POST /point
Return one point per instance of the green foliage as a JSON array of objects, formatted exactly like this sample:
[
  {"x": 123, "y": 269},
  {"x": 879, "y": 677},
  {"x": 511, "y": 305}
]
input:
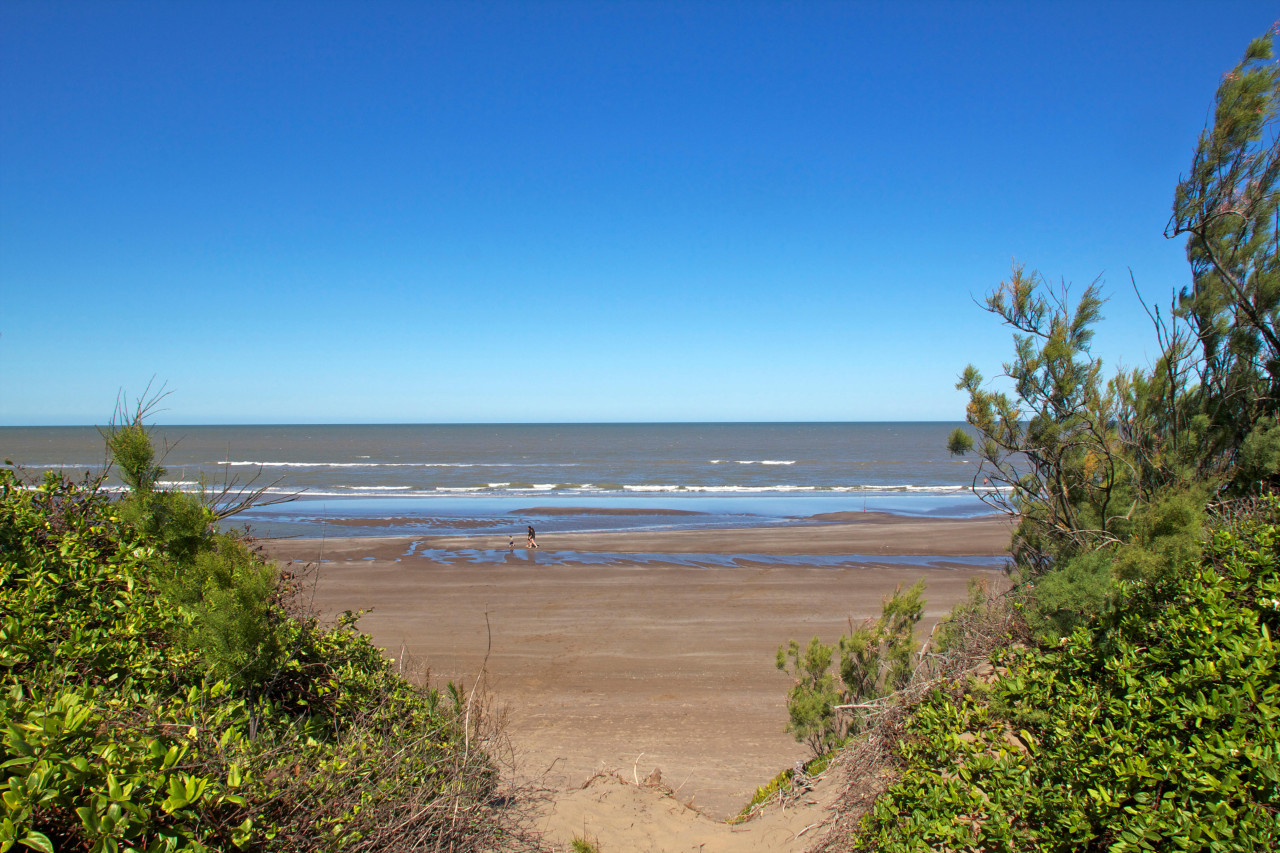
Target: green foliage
[
  {"x": 1227, "y": 208},
  {"x": 874, "y": 658},
  {"x": 230, "y": 598},
  {"x": 1069, "y": 596},
  {"x": 176, "y": 524},
  {"x": 1259, "y": 460},
  {"x": 134, "y": 455},
  {"x": 1153, "y": 721},
  {"x": 896, "y": 629},
  {"x": 1165, "y": 535},
  {"x": 782, "y": 782},
  {"x": 1168, "y": 533},
  {"x": 1158, "y": 728},
  {"x": 860, "y": 654},
  {"x": 812, "y": 699},
  {"x": 1053, "y": 447},
  {"x": 126, "y": 723},
  {"x": 1082, "y": 460},
  {"x": 959, "y": 442},
  {"x": 227, "y": 596}
]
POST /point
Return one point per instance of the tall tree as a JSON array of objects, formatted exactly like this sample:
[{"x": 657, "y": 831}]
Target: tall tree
[
  {"x": 1079, "y": 457},
  {"x": 1226, "y": 206}
]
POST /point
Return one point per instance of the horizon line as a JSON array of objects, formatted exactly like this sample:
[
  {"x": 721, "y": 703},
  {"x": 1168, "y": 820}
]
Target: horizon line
[{"x": 490, "y": 423}]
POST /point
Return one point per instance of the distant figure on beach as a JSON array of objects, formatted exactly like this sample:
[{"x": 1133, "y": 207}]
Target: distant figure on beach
[
  {"x": 533, "y": 543},
  {"x": 511, "y": 542}
]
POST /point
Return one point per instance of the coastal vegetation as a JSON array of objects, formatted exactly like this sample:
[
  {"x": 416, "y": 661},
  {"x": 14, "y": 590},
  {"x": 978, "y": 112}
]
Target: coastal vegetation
[
  {"x": 872, "y": 660},
  {"x": 1156, "y": 727},
  {"x": 162, "y": 689},
  {"x": 1110, "y": 479},
  {"x": 1133, "y": 698}
]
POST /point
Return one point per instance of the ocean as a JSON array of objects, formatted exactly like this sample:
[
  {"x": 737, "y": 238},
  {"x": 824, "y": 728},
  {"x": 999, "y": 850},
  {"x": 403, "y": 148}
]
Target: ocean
[{"x": 443, "y": 479}]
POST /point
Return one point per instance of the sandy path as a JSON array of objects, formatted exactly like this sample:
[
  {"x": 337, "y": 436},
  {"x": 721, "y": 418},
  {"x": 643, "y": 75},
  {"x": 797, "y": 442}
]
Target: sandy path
[{"x": 628, "y": 667}]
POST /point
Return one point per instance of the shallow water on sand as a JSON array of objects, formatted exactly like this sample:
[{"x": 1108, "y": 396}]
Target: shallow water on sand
[{"x": 510, "y": 515}]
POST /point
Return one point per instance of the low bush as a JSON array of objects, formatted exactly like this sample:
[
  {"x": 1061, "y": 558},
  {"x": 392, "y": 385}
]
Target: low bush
[
  {"x": 1155, "y": 728},
  {"x": 155, "y": 704},
  {"x": 876, "y": 657}
]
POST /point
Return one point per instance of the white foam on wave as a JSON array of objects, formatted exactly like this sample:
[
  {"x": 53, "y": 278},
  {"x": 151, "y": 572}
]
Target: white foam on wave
[
  {"x": 766, "y": 461},
  {"x": 791, "y": 487},
  {"x": 492, "y": 464},
  {"x": 375, "y": 488},
  {"x": 499, "y": 489},
  {"x": 269, "y": 464},
  {"x": 257, "y": 464},
  {"x": 719, "y": 489},
  {"x": 72, "y": 465}
]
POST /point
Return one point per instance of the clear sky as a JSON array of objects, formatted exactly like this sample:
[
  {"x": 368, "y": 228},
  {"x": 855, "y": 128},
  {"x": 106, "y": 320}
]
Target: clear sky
[{"x": 576, "y": 211}]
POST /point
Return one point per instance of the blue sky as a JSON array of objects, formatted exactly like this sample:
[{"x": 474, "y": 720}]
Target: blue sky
[{"x": 493, "y": 212}]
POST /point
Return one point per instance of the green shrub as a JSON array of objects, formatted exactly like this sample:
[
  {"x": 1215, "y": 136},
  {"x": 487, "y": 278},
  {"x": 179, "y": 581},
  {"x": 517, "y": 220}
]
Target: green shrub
[
  {"x": 812, "y": 699},
  {"x": 173, "y": 523},
  {"x": 1168, "y": 533},
  {"x": 875, "y": 658},
  {"x": 1163, "y": 535},
  {"x": 1069, "y": 596},
  {"x": 230, "y": 598},
  {"x": 133, "y": 453},
  {"x": 152, "y": 705},
  {"x": 1157, "y": 728}
]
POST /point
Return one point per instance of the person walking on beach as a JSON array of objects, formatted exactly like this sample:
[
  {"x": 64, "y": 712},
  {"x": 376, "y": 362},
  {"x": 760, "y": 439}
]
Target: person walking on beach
[{"x": 533, "y": 543}]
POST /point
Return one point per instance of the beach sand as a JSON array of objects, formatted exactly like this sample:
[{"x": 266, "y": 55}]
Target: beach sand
[{"x": 633, "y": 666}]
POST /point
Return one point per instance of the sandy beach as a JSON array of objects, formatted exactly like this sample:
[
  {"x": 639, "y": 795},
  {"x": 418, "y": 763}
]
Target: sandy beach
[{"x": 631, "y": 667}]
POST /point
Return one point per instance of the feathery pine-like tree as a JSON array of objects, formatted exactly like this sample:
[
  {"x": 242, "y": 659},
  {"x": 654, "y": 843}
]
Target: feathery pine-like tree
[
  {"x": 1079, "y": 456},
  {"x": 1226, "y": 206}
]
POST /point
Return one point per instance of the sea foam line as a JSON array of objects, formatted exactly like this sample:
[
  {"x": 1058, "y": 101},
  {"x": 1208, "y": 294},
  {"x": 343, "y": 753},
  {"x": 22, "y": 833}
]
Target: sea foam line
[
  {"x": 753, "y": 461},
  {"x": 644, "y": 487},
  {"x": 376, "y": 488},
  {"x": 268, "y": 464}
]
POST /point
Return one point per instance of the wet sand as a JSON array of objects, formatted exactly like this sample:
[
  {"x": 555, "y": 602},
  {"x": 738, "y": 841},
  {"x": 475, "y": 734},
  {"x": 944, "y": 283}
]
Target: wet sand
[{"x": 631, "y": 666}]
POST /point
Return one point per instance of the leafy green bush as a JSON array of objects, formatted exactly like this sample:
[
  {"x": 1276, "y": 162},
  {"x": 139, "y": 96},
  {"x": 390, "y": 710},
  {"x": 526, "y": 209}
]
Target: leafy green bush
[
  {"x": 1168, "y": 533},
  {"x": 1070, "y": 595},
  {"x": 1157, "y": 728},
  {"x": 121, "y": 730},
  {"x": 132, "y": 451},
  {"x": 1164, "y": 535}
]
